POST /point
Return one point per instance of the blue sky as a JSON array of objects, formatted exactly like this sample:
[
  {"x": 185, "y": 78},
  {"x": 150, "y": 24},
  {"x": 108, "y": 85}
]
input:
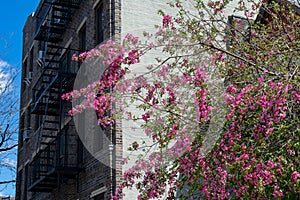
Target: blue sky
[{"x": 13, "y": 14}]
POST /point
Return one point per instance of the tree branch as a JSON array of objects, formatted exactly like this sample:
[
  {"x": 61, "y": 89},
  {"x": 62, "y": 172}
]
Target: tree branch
[
  {"x": 8, "y": 148},
  {"x": 6, "y": 182},
  {"x": 3, "y": 135}
]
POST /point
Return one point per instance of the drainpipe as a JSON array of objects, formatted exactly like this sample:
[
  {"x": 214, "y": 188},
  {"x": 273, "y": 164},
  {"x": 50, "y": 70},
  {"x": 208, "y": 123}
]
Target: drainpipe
[{"x": 112, "y": 146}]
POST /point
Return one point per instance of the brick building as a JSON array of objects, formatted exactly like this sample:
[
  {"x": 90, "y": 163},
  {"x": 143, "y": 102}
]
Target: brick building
[{"x": 53, "y": 163}]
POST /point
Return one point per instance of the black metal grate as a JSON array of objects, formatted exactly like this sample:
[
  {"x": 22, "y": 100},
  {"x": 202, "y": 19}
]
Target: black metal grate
[{"x": 57, "y": 162}]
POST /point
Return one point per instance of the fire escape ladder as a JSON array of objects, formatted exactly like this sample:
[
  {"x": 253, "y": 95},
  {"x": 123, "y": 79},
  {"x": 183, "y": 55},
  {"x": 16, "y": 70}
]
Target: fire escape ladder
[
  {"x": 56, "y": 160},
  {"x": 45, "y": 96},
  {"x": 48, "y": 129},
  {"x": 56, "y": 163},
  {"x": 40, "y": 141},
  {"x": 41, "y": 177}
]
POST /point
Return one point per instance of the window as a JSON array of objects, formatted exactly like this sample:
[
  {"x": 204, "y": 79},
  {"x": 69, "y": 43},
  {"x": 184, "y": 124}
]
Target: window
[
  {"x": 99, "y": 197},
  {"x": 98, "y": 194},
  {"x": 24, "y": 75},
  {"x": 237, "y": 25},
  {"x": 63, "y": 147},
  {"x": 65, "y": 63},
  {"x": 82, "y": 38},
  {"x": 19, "y": 184},
  {"x": 28, "y": 116},
  {"x": 38, "y": 122},
  {"x": 81, "y": 123},
  {"x": 81, "y": 152},
  {"x": 99, "y": 23},
  {"x": 22, "y": 183},
  {"x": 98, "y": 133},
  {"x": 25, "y": 182},
  {"x": 21, "y": 129},
  {"x": 81, "y": 131},
  {"x": 31, "y": 60}
]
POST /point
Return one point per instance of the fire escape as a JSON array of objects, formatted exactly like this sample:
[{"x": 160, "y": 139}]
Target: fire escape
[{"x": 56, "y": 159}]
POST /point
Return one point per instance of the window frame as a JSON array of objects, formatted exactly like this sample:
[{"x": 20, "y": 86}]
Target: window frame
[
  {"x": 82, "y": 38},
  {"x": 31, "y": 58},
  {"x": 65, "y": 63},
  {"x": 99, "y": 22},
  {"x": 24, "y": 74},
  {"x": 100, "y": 196}
]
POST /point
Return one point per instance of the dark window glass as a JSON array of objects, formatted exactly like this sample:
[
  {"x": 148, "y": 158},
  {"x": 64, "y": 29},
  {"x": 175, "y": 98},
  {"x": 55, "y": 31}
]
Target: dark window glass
[
  {"x": 63, "y": 147},
  {"x": 28, "y": 116},
  {"x": 81, "y": 128},
  {"x": 81, "y": 154},
  {"x": 19, "y": 184},
  {"x": 24, "y": 75},
  {"x": 99, "y": 197},
  {"x": 25, "y": 182},
  {"x": 65, "y": 63},
  {"x": 31, "y": 60},
  {"x": 37, "y": 122},
  {"x": 100, "y": 23},
  {"x": 82, "y": 39},
  {"x": 22, "y": 128}
]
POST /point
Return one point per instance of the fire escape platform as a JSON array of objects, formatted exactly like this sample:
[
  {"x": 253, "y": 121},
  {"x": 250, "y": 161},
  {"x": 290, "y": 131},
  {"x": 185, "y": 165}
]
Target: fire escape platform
[
  {"x": 50, "y": 97},
  {"x": 50, "y": 180},
  {"x": 55, "y": 34},
  {"x": 56, "y": 163},
  {"x": 53, "y": 17}
]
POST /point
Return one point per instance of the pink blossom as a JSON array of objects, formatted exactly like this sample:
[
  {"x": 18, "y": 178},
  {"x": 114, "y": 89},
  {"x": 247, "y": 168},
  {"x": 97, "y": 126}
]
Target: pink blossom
[
  {"x": 145, "y": 116},
  {"x": 295, "y": 176},
  {"x": 166, "y": 20}
]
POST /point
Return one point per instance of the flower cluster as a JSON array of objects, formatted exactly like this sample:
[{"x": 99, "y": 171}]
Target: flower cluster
[
  {"x": 254, "y": 153},
  {"x": 167, "y": 20}
]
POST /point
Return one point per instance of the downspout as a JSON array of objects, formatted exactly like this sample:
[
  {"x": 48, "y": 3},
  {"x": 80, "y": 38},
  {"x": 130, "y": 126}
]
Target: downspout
[{"x": 112, "y": 147}]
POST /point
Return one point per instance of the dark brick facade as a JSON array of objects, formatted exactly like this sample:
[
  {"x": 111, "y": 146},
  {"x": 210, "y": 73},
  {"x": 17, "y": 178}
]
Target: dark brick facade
[{"x": 92, "y": 180}]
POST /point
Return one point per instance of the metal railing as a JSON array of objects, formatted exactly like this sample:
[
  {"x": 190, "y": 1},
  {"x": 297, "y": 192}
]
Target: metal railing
[{"x": 59, "y": 158}]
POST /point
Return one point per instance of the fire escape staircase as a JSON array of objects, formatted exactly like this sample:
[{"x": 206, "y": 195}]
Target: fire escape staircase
[{"x": 46, "y": 169}]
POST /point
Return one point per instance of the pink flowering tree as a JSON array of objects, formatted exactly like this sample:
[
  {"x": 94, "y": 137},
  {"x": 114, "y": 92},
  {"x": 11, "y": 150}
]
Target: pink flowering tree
[{"x": 221, "y": 104}]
